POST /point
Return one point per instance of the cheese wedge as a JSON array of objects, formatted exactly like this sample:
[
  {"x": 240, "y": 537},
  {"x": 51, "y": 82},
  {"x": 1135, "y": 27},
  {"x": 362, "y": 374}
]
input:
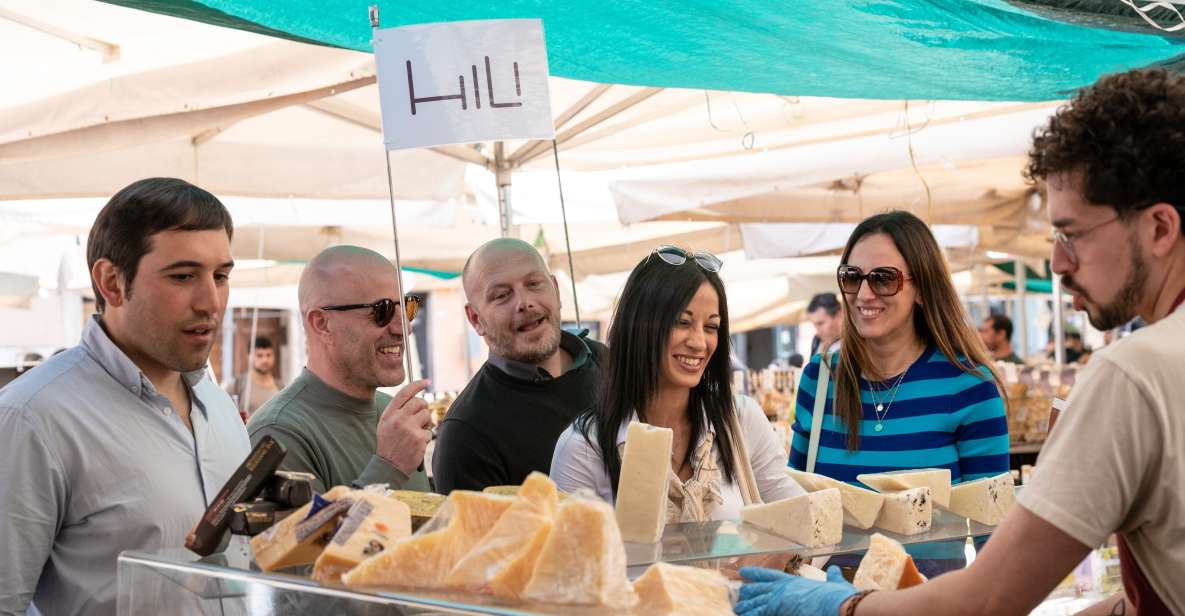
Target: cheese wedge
[
  {"x": 424, "y": 559},
  {"x": 814, "y": 519},
  {"x": 283, "y": 546},
  {"x": 423, "y": 505},
  {"x": 371, "y": 525},
  {"x": 812, "y": 573},
  {"x": 671, "y": 590},
  {"x": 984, "y": 500},
  {"x": 642, "y": 490},
  {"x": 583, "y": 560},
  {"x": 886, "y": 566},
  {"x": 501, "y": 564},
  {"x": 860, "y": 506},
  {"x": 513, "y": 491},
  {"x": 908, "y": 512},
  {"x": 937, "y": 479}
]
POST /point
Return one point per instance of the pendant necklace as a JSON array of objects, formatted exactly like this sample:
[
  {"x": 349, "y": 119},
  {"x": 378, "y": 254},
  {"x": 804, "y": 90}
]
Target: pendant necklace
[{"x": 879, "y": 404}]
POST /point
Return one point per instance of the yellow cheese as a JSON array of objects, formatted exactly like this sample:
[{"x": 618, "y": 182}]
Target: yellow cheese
[
  {"x": 860, "y": 506},
  {"x": 423, "y": 505},
  {"x": 937, "y": 479},
  {"x": 423, "y": 560},
  {"x": 813, "y": 519},
  {"x": 372, "y": 524},
  {"x": 513, "y": 491},
  {"x": 282, "y": 546},
  {"x": 502, "y": 562},
  {"x": 671, "y": 590},
  {"x": 583, "y": 560},
  {"x": 642, "y": 490},
  {"x": 886, "y": 566}
]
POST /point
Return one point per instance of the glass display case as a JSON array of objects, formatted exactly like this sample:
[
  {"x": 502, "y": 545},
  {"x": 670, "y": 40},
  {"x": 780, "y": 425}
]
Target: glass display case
[{"x": 229, "y": 583}]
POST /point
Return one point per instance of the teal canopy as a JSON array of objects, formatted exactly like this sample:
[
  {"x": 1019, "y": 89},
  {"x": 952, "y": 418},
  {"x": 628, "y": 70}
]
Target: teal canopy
[{"x": 1023, "y": 50}]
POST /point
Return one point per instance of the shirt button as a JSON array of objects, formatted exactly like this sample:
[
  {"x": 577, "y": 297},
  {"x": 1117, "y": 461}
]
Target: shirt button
[{"x": 166, "y": 410}]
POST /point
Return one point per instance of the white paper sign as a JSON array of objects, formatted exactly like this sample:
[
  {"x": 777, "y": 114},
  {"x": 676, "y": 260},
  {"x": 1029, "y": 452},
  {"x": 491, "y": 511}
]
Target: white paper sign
[{"x": 463, "y": 81}]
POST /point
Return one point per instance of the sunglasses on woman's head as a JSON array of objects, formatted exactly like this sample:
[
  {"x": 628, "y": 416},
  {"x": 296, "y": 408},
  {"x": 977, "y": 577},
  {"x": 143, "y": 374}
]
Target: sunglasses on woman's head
[
  {"x": 673, "y": 255},
  {"x": 884, "y": 281},
  {"x": 384, "y": 309}
]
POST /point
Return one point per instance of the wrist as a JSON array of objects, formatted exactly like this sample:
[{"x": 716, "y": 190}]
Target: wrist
[{"x": 848, "y": 607}]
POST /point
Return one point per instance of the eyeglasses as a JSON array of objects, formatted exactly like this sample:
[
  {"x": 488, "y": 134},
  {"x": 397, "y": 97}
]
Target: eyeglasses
[
  {"x": 1066, "y": 240},
  {"x": 384, "y": 309},
  {"x": 883, "y": 281},
  {"x": 673, "y": 255}
]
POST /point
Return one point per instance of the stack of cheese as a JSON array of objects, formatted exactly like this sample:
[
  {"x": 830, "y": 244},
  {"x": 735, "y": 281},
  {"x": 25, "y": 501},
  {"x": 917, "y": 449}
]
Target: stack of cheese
[
  {"x": 861, "y": 507},
  {"x": 527, "y": 547},
  {"x": 910, "y": 497}
]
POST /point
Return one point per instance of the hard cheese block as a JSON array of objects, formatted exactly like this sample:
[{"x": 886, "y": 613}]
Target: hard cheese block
[
  {"x": 666, "y": 589},
  {"x": 423, "y": 560},
  {"x": 814, "y": 519},
  {"x": 371, "y": 525},
  {"x": 513, "y": 491},
  {"x": 501, "y": 564},
  {"x": 642, "y": 490},
  {"x": 583, "y": 560},
  {"x": 860, "y": 506},
  {"x": 937, "y": 479},
  {"x": 984, "y": 500},
  {"x": 886, "y": 566},
  {"x": 908, "y": 512},
  {"x": 283, "y": 546}
]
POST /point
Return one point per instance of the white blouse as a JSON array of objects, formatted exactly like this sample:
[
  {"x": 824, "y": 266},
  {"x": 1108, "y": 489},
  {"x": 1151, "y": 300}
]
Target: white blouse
[{"x": 577, "y": 464}]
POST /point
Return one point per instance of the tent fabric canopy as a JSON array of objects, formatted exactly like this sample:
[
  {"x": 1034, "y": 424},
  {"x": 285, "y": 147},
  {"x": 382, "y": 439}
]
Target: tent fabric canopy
[{"x": 959, "y": 49}]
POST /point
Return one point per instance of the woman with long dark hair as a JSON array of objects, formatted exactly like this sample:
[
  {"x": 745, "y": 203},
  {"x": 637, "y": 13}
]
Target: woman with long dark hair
[
  {"x": 912, "y": 385},
  {"x": 669, "y": 366}
]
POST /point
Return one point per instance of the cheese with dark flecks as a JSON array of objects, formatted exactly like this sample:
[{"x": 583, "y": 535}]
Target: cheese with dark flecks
[
  {"x": 908, "y": 512},
  {"x": 984, "y": 500}
]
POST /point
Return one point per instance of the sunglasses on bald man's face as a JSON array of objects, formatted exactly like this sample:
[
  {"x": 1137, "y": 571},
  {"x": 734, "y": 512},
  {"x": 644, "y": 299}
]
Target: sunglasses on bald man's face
[
  {"x": 673, "y": 255},
  {"x": 384, "y": 309}
]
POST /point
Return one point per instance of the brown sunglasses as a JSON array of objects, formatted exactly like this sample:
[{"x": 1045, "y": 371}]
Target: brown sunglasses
[
  {"x": 883, "y": 281},
  {"x": 383, "y": 310}
]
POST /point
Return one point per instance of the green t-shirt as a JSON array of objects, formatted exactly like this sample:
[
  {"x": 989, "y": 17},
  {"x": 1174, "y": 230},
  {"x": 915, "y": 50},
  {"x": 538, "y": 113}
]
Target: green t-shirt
[{"x": 330, "y": 435}]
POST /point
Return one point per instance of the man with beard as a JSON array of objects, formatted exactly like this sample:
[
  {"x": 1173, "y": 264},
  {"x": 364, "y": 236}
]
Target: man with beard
[
  {"x": 1111, "y": 162},
  {"x": 120, "y": 442},
  {"x": 263, "y": 384},
  {"x": 331, "y": 419},
  {"x": 537, "y": 379}
]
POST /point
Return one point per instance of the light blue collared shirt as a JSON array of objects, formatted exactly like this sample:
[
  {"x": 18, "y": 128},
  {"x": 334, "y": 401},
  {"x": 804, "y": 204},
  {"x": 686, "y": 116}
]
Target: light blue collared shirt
[{"x": 95, "y": 461}]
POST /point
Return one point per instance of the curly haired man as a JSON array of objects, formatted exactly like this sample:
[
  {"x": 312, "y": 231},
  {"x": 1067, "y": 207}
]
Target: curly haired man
[{"x": 1110, "y": 163}]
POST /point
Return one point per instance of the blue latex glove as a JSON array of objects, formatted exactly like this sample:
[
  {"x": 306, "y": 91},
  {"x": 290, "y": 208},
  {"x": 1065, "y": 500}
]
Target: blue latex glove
[{"x": 773, "y": 593}]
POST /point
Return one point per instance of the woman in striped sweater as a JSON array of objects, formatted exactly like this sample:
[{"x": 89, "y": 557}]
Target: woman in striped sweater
[{"x": 912, "y": 385}]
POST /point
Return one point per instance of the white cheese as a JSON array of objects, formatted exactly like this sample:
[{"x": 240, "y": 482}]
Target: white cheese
[
  {"x": 908, "y": 512},
  {"x": 812, "y": 520},
  {"x": 984, "y": 500},
  {"x": 642, "y": 491},
  {"x": 860, "y": 506},
  {"x": 937, "y": 479}
]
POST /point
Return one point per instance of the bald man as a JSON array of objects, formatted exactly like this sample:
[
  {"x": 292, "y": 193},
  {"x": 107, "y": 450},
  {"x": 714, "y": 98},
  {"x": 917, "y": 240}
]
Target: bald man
[
  {"x": 537, "y": 379},
  {"x": 331, "y": 419}
]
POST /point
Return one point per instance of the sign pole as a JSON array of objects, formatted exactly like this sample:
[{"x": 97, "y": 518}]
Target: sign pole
[
  {"x": 407, "y": 333},
  {"x": 555, "y": 151}
]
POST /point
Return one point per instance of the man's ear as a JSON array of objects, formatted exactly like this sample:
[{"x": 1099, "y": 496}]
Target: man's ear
[
  {"x": 110, "y": 281},
  {"x": 471, "y": 316},
  {"x": 1166, "y": 228},
  {"x": 316, "y": 322}
]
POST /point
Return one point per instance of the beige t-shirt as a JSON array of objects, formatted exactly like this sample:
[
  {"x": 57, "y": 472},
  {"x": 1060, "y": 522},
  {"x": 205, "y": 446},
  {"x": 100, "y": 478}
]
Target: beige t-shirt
[{"x": 1115, "y": 462}]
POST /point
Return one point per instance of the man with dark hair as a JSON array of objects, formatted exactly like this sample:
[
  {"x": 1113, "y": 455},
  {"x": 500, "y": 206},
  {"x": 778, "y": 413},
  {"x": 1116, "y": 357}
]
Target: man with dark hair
[
  {"x": 1111, "y": 163},
  {"x": 826, "y": 314},
  {"x": 332, "y": 419},
  {"x": 120, "y": 442},
  {"x": 996, "y": 333},
  {"x": 257, "y": 383},
  {"x": 505, "y": 424}
]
